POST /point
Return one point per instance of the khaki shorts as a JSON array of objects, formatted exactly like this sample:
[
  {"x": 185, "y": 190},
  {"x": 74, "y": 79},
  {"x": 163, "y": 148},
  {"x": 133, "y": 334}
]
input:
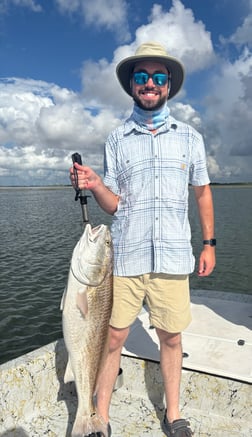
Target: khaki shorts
[{"x": 167, "y": 298}]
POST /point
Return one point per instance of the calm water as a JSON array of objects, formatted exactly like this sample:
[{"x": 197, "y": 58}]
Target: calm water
[{"x": 39, "y": 229}]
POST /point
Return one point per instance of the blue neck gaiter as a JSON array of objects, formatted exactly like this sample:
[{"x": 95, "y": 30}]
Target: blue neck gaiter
[{"x": 150, "y": 120}]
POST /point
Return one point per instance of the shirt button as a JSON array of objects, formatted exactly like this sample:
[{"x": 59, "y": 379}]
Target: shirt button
[
  {"x": 156, "y": 177},
  {"x": 156, "y": 197},
  {"x": 156, "y": 218}
]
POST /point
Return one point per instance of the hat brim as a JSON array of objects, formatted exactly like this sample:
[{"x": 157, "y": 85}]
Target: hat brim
[{"x": 125, "y": 67}]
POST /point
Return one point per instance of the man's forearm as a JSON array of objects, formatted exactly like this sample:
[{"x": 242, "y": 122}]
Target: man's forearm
[
  {"x": 106, "y": 199},
  {"x": 204, "y": 201}
]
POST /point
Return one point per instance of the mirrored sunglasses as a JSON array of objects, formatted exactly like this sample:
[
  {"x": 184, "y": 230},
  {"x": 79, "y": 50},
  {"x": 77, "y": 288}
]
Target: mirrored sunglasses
[{"x": 142, "y": 77}]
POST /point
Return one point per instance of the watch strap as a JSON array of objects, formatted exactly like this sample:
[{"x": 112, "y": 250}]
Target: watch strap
[{"x": 211, "y": 242}]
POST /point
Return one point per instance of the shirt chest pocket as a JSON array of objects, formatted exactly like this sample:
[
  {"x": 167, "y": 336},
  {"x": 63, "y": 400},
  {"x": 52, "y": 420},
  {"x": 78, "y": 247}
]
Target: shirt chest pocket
[
  {"x": 174, "y": 180},
  {"x": 137, "y": 175}
]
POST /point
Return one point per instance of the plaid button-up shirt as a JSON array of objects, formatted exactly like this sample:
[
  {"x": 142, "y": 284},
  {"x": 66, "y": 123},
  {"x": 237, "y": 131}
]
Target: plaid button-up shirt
[{"x": 151, "y": 174}]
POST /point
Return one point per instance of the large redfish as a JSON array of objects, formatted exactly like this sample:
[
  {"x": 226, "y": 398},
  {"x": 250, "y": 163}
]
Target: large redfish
[{"x": 86, "y": 305}]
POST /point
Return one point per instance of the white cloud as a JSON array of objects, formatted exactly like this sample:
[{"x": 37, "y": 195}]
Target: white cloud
[
  {"x": 41, "y": 124},
  {"x": 228, "y": 117},
  {"x": 30, "y": 4},
  {"x": 243, "y": 34},
  {"x": 187, "y": 114},
  {"x": 100, "y": 86},
  {"x": 181, "y": 34},
  {"x": 109, "y": 14},
  {"x": 176, "y": 29}
]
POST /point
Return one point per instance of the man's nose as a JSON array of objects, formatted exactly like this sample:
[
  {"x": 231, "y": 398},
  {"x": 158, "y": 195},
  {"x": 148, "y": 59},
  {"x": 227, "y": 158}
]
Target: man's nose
[{"x": 150, "y": 82}]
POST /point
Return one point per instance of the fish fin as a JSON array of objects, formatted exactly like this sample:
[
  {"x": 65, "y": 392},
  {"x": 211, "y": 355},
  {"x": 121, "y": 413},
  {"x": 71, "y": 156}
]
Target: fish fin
[
  {"x": 69, "y": 376},
  {"x": 82, "y": 302},
  {"x": 62, "y": 302},
  {"x": 86, "y": 425}
]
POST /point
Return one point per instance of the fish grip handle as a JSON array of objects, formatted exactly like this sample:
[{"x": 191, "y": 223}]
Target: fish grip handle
[
  {"x": 80, "y": 194},
  {"x": 76, "y": 157}
]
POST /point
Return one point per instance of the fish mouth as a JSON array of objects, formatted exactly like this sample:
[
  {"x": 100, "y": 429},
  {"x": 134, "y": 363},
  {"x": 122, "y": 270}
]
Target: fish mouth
[{"x": 95, "y": 232}]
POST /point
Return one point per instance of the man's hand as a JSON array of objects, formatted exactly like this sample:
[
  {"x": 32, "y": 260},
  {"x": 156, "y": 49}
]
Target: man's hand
[
  {"x": 206, "y": 261},
  {"x": 87, "y": 178}
]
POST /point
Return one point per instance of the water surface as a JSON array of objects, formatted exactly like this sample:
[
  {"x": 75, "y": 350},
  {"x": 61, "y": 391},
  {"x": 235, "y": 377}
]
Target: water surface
[{"x": 39, "y": 229}]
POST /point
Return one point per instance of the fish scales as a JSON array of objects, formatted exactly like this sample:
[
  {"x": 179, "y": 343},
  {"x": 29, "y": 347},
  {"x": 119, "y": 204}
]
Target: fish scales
[{"x": 86, "y": 305}]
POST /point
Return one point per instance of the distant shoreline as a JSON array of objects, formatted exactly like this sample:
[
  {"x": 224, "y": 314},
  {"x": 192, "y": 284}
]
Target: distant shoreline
[
  {"x": 35, "y": 187},
  {"x": 61, "y": 187}
]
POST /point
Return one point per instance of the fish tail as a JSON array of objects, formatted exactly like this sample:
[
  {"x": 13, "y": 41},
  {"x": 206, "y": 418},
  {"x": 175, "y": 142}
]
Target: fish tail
[{"x": 86, "y": 425}]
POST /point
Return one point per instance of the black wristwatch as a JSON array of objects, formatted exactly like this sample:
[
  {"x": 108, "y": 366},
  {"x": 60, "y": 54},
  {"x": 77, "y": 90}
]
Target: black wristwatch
[{"x": 211, "y": 242}]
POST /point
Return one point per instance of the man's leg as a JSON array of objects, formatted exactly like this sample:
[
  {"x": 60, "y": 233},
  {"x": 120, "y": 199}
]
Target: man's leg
[
  {"x": 171, "y": 364},
  {"x": 109, "y": 372}
]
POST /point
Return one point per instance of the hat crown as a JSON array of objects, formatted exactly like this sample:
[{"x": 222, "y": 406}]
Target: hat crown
[{"x": 151, "y": 49}]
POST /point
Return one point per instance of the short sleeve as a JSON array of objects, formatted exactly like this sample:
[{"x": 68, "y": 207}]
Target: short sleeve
[{"x": 198, "y": 171}]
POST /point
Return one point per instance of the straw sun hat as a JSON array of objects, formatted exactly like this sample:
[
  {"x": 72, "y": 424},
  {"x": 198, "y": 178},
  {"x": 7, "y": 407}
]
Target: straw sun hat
[{"x": 151, "y": 51}]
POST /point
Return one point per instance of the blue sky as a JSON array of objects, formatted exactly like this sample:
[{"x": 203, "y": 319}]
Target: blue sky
[{"x": 59, "y": 93}]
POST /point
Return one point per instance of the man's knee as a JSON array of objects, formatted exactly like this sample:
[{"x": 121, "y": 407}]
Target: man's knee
[
  {"x": 117, "y": 338},
  {"x": 169, "y": 339}
]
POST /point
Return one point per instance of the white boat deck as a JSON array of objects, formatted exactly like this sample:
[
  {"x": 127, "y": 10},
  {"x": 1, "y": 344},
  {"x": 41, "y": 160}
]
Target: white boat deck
[
  {"x": 34, "y": 401},
  {"x": 218, "y": 340}
]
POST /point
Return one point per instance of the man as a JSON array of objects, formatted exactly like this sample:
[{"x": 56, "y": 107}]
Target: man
[{"x": 149, "y": 162}]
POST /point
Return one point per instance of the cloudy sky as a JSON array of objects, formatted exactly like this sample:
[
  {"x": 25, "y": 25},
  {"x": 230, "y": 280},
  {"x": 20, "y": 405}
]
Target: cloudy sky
[{"x": 59, "y": 93}]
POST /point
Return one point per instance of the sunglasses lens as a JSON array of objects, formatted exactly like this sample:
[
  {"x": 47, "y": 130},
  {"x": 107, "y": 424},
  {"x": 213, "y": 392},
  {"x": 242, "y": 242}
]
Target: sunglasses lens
[
  {"x": 141, "y": 78},
  {"x": 160, "y": 79}
]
